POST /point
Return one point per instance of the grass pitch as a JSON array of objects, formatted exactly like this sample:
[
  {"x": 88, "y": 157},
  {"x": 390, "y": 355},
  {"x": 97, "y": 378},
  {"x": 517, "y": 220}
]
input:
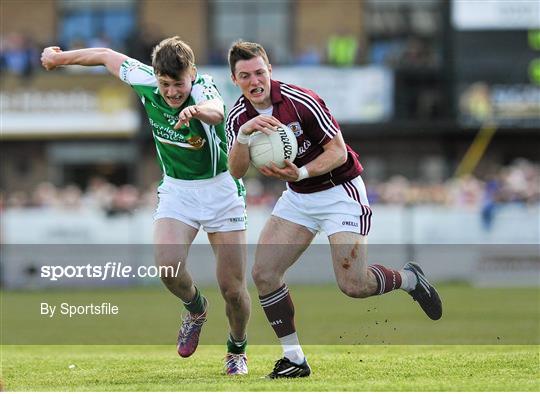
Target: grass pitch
[
  {"x": 487, "y": 340},
  {"x": 335, "y": 368}
]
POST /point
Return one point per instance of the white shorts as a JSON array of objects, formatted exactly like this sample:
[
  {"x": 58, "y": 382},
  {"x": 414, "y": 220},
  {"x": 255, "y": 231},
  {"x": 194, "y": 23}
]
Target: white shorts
[
  {"x": 217, "y": 204},
  {"x": 341, "y": 208}
]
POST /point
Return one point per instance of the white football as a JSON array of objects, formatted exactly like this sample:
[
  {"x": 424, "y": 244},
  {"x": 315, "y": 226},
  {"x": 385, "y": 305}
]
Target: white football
[{"x": 276, "y": 147}]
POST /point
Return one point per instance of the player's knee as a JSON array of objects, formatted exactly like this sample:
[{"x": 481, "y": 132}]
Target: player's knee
[
  {"x": 170, "y": 268},
  {"x": 168, "y": 260},
  {"x": 261, "y": 276},
  {"x": 232, "y": 295},
  {"x": 355, "y": 289},
  {"x": 170, "y": 255}
]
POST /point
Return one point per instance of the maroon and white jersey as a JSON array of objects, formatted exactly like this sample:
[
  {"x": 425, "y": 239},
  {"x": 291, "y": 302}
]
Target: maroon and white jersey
[{"x": 313, "y": 125}]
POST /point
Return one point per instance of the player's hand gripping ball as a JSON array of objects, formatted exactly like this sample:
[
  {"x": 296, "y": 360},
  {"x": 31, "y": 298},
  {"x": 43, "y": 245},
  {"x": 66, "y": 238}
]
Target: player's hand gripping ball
[{"x": 276, "y": 147}]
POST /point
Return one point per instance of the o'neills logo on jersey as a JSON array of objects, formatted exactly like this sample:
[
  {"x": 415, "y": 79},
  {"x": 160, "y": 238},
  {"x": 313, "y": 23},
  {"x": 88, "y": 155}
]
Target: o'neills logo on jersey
[
  {"x": 287, "y": 144},
  {"x": 348, "y": 223},
  {"x": 296, "y": 129}
]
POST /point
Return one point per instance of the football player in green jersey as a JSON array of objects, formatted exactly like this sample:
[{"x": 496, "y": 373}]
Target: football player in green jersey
[{"x": 187, "y": 115}]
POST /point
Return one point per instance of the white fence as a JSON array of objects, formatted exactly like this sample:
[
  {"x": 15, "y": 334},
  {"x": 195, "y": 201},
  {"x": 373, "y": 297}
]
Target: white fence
[{"x": 450, "y": 243}]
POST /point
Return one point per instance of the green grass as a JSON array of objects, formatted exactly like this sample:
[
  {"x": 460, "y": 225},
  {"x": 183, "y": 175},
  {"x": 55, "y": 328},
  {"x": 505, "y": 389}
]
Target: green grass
[
  {"x": 336, "y": 368},
  {"x": 324, "y": 316},
  {"x": 487, "y": 340}
]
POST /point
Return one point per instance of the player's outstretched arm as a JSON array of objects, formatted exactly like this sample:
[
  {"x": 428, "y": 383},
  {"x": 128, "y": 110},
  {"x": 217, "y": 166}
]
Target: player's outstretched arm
[{"x": 53, "y": 57}]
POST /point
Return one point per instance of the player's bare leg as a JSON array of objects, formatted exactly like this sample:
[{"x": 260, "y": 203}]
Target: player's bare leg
[
  {"x": 231, "y": 257},
  {"x": 280, "y": 244},
  {"x": 356, "y": 279},
  {"x": 349, "y": 258},
  {"x": 172, "y": 240}
]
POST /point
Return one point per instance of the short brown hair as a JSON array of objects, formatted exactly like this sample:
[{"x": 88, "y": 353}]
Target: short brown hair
[
  {"x": 172, "y": 57},
  {"x": 243, "y": 50}
]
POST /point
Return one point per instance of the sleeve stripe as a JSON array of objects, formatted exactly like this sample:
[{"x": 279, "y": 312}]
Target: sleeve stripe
[
  {"x": 325, "y": 127},
  {"x": 325, "y": 122},
  {"x": 235, "y": 112},
  {"x": 133, "y": 72},
  {"x": 231, "y": 136},
  {"x": 308, "y": 101},
  {"x": 238, "y": 105},
  {"x": 147, "y": 69}
]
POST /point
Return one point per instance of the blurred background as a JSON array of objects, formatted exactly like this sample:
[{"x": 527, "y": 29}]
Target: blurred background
[{"x": 441, "y": 99}]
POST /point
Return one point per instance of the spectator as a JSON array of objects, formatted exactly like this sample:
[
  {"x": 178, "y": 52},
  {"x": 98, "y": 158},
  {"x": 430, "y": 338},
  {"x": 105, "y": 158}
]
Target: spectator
[
  {"x": 309, "y": 56},
  {"x": 125, "y": 200},
  {"x": 70, "y": 197},
  {"x": 342, "y": 50},
  {"x": 45, "y": 195},
  {"x": 18, "y": 199},
  {"x": 99, "y": 193},
  {"x": 141, "y": 42},
  {"x": 18, "y": 55}
]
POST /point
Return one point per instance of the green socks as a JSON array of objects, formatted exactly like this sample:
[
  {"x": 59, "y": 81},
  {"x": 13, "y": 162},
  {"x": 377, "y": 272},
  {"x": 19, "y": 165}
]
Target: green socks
[
  {"x": 197, "y": 304},
  {"x": 236, "y": 347}
]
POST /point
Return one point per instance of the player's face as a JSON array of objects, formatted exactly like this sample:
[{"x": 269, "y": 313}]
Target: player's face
[
  {"x": 175, "y": 91},
  {"x": 253, "y": 78}
]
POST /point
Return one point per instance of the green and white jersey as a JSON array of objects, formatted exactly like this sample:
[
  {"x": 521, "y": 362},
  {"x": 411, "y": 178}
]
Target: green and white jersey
[{"x": 195, "y": 152}]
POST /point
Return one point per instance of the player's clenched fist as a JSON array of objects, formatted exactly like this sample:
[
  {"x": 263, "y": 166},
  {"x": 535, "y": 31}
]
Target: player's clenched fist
[{"x": 49, "y": 60}]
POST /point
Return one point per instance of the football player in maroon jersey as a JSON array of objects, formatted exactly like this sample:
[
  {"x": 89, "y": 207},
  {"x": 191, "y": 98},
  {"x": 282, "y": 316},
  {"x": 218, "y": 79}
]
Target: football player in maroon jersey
[{"x": 325, "y": 192}]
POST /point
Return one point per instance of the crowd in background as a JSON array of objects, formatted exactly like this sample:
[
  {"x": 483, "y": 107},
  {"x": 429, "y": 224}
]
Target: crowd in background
[
  {"x": 516, "y": 183},
  {"x": 20, "y": 53}
]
